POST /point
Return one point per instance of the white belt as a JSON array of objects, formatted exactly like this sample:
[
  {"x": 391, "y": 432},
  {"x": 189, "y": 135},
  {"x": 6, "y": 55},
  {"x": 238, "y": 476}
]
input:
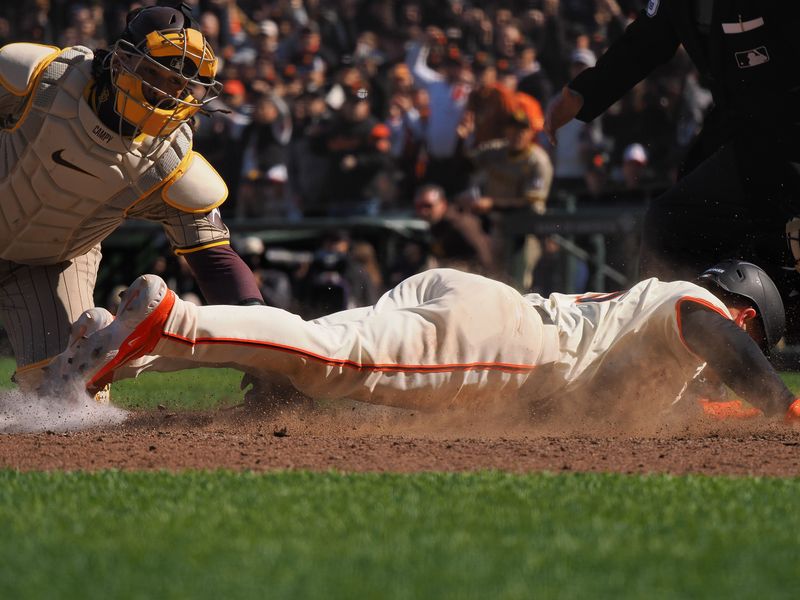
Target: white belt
[{"x": 742, "y": 26}]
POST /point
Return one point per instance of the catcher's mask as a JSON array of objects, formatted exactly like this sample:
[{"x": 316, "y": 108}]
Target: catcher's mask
[
  {"x": 162, "y": 70},
  {"x": 745, "y": 279}
]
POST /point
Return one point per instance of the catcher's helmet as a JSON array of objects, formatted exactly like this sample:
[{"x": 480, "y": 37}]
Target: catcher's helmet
[
  {"x": 162, "y": 69},
  {"x": 745, "y": 279}
]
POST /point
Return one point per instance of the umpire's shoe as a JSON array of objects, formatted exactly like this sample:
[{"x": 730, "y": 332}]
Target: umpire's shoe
[{"x": 142, "y": 312}]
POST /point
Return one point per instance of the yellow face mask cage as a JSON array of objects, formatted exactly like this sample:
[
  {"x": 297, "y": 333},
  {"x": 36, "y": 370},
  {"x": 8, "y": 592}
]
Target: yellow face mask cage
[{"x": 192, "y": 59}]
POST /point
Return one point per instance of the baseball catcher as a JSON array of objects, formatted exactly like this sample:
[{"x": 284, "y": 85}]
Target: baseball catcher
[
  {"x": 89, "y": 139},
  {"x": 445, "y": 338}
]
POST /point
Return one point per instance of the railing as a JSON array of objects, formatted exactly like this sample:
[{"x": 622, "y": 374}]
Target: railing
[{"x": 595, "y": 222}]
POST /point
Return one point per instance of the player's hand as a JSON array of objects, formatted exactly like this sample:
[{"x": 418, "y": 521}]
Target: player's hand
[
  {"x": 793, "y": 414},
  {"x": 732, "y": 409},
  {"x": 561, "y": 110}
]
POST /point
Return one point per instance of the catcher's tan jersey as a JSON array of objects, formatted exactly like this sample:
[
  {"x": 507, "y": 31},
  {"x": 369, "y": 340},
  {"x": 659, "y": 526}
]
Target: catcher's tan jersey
[
  {"x": 66, "y": 182},
  {"x": 447, "y": 338},
  {"x": 66, "y": 179}
]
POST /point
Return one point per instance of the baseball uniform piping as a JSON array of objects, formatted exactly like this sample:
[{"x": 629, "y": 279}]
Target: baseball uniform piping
[
  {"x": 505, "y": 367},
  {"x": 182, "y": 251}
]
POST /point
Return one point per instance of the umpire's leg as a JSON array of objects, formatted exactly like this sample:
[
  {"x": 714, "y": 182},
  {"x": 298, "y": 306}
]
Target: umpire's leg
[{"x": 703, "y": 218}]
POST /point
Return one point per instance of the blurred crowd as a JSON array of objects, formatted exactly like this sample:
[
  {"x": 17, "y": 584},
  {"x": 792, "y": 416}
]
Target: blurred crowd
[{"x": 426, "y": 108}]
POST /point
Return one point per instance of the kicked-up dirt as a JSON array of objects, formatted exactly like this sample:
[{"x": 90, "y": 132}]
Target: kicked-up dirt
[{"x": 354, "y": 437}]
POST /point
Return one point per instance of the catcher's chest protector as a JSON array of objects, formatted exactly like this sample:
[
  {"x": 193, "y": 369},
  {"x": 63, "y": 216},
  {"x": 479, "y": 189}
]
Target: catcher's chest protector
[{"x": 66, "y": 179}]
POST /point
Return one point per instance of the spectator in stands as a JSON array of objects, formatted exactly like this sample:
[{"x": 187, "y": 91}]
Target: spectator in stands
[
  {"x": 405, "y": 126},
  {"x": 457, "y": 237},
  {"x": 299, "y": 52},
  {"x": 515, "y": 172},
  {"x": 304, "y": 50},
  {"x": 645, "y": 108},
  {"x": 596, "y": 179},
  {"x": 634, "y": 166},
  {"x": 264, "y": 155},
  {"x": 514, "y": 175},
  {"x": 508, "y": 41},
  {"x": 266, "y": 43},
  {"x": 532, "y": 78},
  {"x": 488, "y": 106},
  {"x": 576, "y": 140},
  {"x": 87, "y": 28},
  {"x": 477, "y": 31},
  {"x": 334, "y": 281},
  {"x": 448, "y": 88},
  {"x": 414, "y": 258},
  {"x": 217, "y": 136},
  {"x": 274, "y": 284},
  {"x": 339, "y": 29},
  {"x": 210, "y": 28},
  {"x": 365, "y": 259},
  {"x": 356, "y": 147}
]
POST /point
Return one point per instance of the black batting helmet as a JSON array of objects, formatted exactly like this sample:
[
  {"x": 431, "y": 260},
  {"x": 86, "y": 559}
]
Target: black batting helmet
[{"x": 745, "y": 279}]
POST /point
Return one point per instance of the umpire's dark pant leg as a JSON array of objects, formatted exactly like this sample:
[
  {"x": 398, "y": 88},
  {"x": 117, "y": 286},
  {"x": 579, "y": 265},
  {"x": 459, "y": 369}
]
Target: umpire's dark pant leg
[{"x": 701, "y": 219}]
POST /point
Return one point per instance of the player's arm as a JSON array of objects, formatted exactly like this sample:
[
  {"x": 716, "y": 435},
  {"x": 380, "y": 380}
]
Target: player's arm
[
  {"x": 223, "y": 276},
  {"x": 733, "y": 355},
  {"x": 647, "y": 43},
  {"x": 187, "y": 206}
]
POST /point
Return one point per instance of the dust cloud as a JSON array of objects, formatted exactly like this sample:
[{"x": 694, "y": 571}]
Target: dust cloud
[{"x": 30, "y": 413}]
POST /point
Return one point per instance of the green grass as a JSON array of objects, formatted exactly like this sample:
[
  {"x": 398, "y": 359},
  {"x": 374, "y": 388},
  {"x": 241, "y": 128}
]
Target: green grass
[
  {"x": 193, "y": 389},
  {"x": 328, "y": 535},
  {"x": 482, "y": 535},
  {"x": 792, "y": 379}
]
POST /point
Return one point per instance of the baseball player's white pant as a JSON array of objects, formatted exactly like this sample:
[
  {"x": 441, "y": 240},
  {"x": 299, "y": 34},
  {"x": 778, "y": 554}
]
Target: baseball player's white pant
[{"x": 440, "y": 339}]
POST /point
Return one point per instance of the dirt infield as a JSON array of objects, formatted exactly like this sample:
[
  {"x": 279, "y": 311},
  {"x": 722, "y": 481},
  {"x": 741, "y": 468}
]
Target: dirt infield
[{"x": 366, "y": 439}]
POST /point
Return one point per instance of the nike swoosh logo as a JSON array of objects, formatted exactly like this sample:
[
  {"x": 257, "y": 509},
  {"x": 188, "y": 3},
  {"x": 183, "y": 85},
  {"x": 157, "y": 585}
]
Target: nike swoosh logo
[
  {"x": 134, "y": 340},
  {"x": 60, "y": 160}
]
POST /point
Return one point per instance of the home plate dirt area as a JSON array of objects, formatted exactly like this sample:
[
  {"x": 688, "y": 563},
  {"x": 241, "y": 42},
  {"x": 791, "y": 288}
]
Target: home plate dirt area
[{"x": 364, "y": 438}]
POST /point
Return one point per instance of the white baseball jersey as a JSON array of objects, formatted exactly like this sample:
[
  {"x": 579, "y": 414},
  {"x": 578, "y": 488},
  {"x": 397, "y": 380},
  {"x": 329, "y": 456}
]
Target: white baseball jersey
[
  {"x": 624, "y": 343},
  {"x": 447, "y": 338},
  {"x": 67, "y": 180}
]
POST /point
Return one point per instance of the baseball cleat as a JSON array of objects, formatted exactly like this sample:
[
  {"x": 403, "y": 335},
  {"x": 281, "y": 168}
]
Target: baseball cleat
[
  {"x": 142, "y": 312},
  {"x": 90, "y": 322}
]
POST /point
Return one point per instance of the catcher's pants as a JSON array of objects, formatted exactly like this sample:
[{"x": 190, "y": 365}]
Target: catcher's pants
[
  {"x": 38, "y": 304},
  {"x": 441, "y": 338}
]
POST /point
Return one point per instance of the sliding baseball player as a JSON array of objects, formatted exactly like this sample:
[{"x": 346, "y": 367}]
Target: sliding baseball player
[{"x": 447, "y": 339}]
